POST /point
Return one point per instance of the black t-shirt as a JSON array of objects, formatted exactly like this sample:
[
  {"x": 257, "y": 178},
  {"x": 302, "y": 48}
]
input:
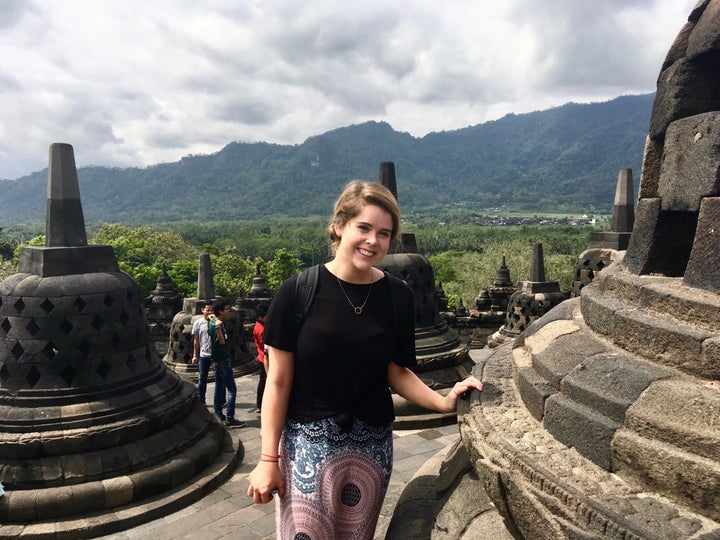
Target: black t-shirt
[{"x": 341, "y": 358}]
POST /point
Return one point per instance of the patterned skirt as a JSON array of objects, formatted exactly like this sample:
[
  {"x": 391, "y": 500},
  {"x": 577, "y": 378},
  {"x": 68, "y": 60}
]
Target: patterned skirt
[{"x": 335, "y": 480}]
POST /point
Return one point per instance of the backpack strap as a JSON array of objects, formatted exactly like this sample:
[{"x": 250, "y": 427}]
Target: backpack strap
[{"x": 305, "y": 286}]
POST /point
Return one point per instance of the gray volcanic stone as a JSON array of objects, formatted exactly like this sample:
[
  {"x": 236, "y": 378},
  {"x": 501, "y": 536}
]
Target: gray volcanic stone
[
  {"x": 705, "y": 37},
  {"x": 691, "y": 162},
  {"x": 610, "y": 383},
  {"x": 650, "y": 173},
  {"x": 684, "y": 89},
  {"x": 566, "y": 353},
  {"x": 656, "y": 234},
  {"x": 667, "y": 342},
  {"x": 588, "y": 431},
  {"x": 534, "y": 391},
  {"x": 703, "y": 269}
]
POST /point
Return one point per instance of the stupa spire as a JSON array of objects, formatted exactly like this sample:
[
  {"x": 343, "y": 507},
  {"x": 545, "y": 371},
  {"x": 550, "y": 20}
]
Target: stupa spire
[{"x": 65, "y": 224}]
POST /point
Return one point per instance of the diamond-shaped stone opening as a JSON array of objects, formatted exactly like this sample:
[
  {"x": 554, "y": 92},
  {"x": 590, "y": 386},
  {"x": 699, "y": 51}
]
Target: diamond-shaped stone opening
[
  {"x": 47, "y": 306},
  {"x": 4, "y": 374},
  {"x": 97, "y": 323},
  {"x": 124, "y": 317},
  {"x": 32, "y": 377},
  {"x": 32, "y": 327},
  {"x": 49, "y": 350},
  {"x": 84, "y": 346},
  {"x": 116, "y": 342},
  {"x": 17, "y": 351},
  {"x": 66, "y": 327},
  {"x": 129, "y": 295},
  {"x": 5, "y": 325},
  {"x": 19, "y": 305},
  {"x": 131, "y": 362},
  {"x": 108, "y": 300},
  {"x": 103, "y": 369},
  {"x": 80, "y": 304},
  {"x": 68, "y": 374}
]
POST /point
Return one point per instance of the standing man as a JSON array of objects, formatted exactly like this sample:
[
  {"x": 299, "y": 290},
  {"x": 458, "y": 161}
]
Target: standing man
[
  {"x": 202, "y": 350},
  {"x": 258, "y": 331},
  {"x": 224, "y": 378}
]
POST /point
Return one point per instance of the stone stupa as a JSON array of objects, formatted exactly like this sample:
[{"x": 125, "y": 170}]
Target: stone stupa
[
  {"x": 180, "y": 349},
  {"x": 602, "y": 420},
  {"x": 96, "y": 435},
  {"x": 442, "y": 358}
]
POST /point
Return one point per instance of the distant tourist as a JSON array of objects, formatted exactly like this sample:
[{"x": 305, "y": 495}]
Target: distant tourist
[
  {"x": 224, "y": 378},
  {"x": 258, "y": 331},
  {"x": 202, "y": 350},
  {"x": 327, "y": 417}
]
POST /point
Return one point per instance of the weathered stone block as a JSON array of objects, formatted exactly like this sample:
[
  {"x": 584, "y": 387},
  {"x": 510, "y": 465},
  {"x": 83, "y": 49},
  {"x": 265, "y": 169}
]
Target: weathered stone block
[
  {"x": 656, "y": 234},
  {"x": 610, "y": 383},
  {"x": 703, "y": 269},
  {"x": 705, "y": 37},
  {"x": 689, "y": 305},
  {"x": 681, "y": 413},
  {"x": 54, "y": 502},
  {"x": 585, "y": 429},
  {"x": 691, "y": 162},
  {"x": 534, "y": 390},
  {"x": 686, "y": 88},
  {"x": 565, "y": 354},
  {"x": 665, "y": 469},
  {"x": 650, "y": 172},
  {"x": 118, "y": 491},
  {"x": 599, "y": 311},
  {"x": 710, "y": 359},
  {"x": 667, "y": 342}
]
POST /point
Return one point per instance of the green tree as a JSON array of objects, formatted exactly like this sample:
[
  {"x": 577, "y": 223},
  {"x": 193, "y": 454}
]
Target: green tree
[
  {"x": 283, "y": 265},
  {"x": 443, "y": 265}
]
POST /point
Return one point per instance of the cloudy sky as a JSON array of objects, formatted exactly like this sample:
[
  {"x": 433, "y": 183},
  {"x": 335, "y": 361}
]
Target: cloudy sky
[{"x": 137, "y": 82}]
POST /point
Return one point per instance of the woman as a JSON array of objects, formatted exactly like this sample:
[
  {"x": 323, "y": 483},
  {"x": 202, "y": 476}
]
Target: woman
[{"x": 327, "y": 410}]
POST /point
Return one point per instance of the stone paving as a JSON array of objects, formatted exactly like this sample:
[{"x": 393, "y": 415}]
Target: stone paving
[{"x": 228, "y": 513}]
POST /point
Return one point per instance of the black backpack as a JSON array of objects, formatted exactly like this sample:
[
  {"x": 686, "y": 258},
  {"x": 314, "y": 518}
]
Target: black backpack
[{"x": 306, "y": 284}]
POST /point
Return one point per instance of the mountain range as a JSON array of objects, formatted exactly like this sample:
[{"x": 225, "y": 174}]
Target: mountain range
[{"x": 563, "y": 159}]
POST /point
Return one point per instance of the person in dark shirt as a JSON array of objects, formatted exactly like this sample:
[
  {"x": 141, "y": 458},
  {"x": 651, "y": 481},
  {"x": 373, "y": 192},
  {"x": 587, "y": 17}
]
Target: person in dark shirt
[
  {"x": 327, "y": 417},
  {"x": 224, "y": 378}
]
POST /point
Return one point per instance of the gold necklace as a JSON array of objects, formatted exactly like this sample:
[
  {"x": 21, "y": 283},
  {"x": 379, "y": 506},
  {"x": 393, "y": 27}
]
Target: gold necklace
[{"x": 358, "y": 309}]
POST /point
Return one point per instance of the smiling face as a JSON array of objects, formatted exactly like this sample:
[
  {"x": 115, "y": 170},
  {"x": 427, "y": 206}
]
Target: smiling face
[
  {"x": 207, "y": 311},
  {"x": 364, "y": 240}
]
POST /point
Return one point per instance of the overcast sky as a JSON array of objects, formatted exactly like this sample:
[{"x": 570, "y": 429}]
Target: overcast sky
[{"x": 139, "y": 82}]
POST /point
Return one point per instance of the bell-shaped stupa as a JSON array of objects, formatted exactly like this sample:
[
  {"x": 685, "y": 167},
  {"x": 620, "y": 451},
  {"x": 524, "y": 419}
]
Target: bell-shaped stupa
[
  {"x": 601, "y": 420},
  {"x": 442, "y": 358},
  {"x": 92, "y": 424}
]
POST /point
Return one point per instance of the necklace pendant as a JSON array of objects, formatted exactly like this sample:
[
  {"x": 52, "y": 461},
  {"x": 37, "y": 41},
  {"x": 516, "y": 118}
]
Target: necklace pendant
[{"x": 358, "y": 310}]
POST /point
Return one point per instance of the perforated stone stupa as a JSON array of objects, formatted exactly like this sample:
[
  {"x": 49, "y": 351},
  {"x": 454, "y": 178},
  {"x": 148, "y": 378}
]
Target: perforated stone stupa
[
  {"x": 602, "y": 420},
  {"x": 442, "y": 358},
  {"x": 92, "y": 424}
]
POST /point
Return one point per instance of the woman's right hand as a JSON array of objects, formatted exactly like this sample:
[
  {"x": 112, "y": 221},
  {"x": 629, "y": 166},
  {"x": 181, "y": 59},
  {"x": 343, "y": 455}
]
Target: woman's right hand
[{"x": 264, "y": 479}]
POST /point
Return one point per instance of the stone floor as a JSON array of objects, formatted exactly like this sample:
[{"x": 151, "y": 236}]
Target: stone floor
[{"x": 228, "y": 513}]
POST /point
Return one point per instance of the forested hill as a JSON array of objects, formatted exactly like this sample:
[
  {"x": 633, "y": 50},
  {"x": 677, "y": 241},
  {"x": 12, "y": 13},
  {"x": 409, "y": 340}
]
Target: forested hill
[{"x": 565, "y": 158}]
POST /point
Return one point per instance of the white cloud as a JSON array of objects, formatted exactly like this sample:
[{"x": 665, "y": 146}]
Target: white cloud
[{"x": 134, "y": 83}]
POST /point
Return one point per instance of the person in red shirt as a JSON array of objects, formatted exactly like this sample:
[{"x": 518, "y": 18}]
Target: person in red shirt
[{"x": 258, "y": 332}]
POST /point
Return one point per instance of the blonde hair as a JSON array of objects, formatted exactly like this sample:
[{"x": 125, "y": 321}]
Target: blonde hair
[{"x": 354, "y": 198}]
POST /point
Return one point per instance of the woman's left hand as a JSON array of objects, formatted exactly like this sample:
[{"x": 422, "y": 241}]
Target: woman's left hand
[{"x": 459, "y": 389}]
